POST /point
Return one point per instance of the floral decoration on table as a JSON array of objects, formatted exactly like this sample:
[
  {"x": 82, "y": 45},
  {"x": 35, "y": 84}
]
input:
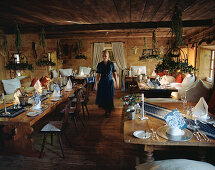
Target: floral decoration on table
[
  {"x": 22, "y": 91},
  {"x": 130, "y": 100}
]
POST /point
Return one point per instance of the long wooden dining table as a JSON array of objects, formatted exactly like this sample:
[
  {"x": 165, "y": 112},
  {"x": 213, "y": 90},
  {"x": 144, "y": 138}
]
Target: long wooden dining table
[
  {"x": 150, "y": 144},
  {"x": 19, "y": 129}
]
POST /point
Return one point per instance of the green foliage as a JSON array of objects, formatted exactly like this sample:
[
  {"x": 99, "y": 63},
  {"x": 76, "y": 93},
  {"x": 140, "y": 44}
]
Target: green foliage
[
  {"x": 145, "y": 43},
  {"x": 42, "y": 62},
  {"x": 130, "y": 99},
  {"x": 176, "y": 28},
  {"x": 154, "y": 40},
  {"x": 81, "y": 56},
  {"x": 18, "y": 38},
  {"x": 42, "y": 39},
  {"x": 18, "y": 66},
  {"x": 173, "y": 66}
]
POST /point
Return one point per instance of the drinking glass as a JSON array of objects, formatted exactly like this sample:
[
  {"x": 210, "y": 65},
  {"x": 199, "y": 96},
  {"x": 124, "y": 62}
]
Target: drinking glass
[{"x": 184, "y": 101}]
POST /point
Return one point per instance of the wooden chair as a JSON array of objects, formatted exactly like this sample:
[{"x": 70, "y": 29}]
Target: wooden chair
[
  {"x": 85, "y": 99},
  {"x": 74, "y": 111},
  {"x": 57, "y": 128}
]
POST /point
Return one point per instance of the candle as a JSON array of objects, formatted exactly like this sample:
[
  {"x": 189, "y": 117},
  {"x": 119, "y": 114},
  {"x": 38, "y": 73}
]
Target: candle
[
  {"x": 142, "y": 105},
  {"x": 5, "y": 109},
  {"x": 143, "y": 97}
]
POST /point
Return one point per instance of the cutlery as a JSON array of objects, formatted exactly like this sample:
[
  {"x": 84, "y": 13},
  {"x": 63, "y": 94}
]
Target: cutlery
[
  {"x": 196, "y": 136},
  {"x": 200, "y": 138},
  {"x": 204, "y": 136}
]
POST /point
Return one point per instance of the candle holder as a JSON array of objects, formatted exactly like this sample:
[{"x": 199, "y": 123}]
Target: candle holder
[{"x": 143, "y": 117}]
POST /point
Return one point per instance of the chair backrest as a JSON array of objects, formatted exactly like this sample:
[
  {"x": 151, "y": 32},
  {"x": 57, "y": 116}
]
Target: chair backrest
[
  {"x": 86, "y": 96},
  {"x": 66, "y": 115},
  {"x": 78, "y": 103}
]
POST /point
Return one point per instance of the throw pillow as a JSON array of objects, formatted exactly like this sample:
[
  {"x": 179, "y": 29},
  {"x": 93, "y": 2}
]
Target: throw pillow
[
  {"x": 167, "y": 79},
  {"x": 66, "y": 72},
  {"x": 211, "y": 104},
  {"x": 11, "y": 85},
  {"x": 33, "y": 81},
  {"x": 54, "y": 74},
  {"x": 85, "y": 70},
  {"x": 188, "y": 81},
  {"x": 179, "y": 164},
  {"x": 178, "y": 78},
  {"x": 44, "y": 81}
]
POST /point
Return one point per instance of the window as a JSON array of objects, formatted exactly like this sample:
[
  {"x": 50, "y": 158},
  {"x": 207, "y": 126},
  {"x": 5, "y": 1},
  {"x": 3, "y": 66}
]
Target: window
[
  {"x": 212, "y": 65},
  {"x": 17, "y": 60}
]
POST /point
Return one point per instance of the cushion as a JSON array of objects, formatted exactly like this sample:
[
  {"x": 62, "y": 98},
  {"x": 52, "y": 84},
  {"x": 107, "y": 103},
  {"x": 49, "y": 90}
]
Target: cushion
[
  {"x": 211, "y": 104},
  {"x": 176, "y": 164},
  {"x": 66, "y": 72},
  {"x": 188, "y": 81},
  {"x": 11, "y": 85},
  {"x": 33, "y": 81},
  {"x": 44, "y": 81},
  {"x": 178, "y": 78},
  {"x": 167, "y": 79},
  {"x": 197, "y": 90},
  {"x": 160, "y": 74},
  {"x": 86, "y": 70},
  {"x": 54, "y": 74},
  {"x": 138, "y": 69}
]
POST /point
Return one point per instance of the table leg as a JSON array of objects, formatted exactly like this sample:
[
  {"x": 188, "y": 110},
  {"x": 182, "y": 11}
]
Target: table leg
[
  {"x": 20, "y": 140},
  {"x": 148, "y": 153}
]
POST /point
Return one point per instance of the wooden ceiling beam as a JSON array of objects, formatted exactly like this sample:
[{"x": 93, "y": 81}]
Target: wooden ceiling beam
[{"x": 110, "y": 26}]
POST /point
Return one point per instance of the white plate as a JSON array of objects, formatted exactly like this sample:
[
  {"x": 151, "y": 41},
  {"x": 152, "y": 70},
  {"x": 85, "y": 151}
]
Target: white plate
[
  {"x": 32, "y": 114},
  {"x": 69, "y": 89},
  {"x": 141, "y": 134},
  {"x": 55, "y": 99}
]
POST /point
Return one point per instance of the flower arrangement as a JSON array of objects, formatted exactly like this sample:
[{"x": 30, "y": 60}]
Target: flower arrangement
[
  {"x": 129, "y": 100},
  {"x": 22, "y": 91}
]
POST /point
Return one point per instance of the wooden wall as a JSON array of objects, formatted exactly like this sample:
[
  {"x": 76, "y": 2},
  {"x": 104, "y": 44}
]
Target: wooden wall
[
  {"x": 203, "y": 63},
  {"x": 131, "y": 58},
  {"x": 69, "y": 61}
]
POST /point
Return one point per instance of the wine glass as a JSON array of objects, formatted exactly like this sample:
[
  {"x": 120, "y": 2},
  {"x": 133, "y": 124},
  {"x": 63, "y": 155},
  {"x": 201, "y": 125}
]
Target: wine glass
[{"x": 184, "y": 102}]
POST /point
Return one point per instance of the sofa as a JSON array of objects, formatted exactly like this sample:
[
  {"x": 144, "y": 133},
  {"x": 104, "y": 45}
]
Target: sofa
[{"x": 10, "y": 85}]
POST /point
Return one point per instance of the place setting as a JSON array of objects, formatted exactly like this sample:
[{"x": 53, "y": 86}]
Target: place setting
[{"x": 37, "y": 107}]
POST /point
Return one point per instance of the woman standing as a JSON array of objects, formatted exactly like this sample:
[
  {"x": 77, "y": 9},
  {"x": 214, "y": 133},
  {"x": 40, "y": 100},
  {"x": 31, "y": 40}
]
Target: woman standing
[{"x": 104, "y": 84}]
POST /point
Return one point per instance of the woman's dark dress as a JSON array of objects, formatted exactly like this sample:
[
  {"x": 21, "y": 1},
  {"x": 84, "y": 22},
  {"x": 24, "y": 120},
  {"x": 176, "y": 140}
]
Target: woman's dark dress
[{"x": 105, "y": 91}]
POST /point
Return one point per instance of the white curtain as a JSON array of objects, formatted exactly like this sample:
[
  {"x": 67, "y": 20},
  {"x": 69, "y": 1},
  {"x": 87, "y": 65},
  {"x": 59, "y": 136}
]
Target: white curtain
[
  {"x": 97, "y": 54},
  {"x": 119, "y": 56}
]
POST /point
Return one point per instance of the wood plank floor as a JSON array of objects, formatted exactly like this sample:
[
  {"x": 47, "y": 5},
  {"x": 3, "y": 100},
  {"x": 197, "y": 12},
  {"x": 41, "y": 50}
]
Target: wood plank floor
[{"x": 99, "y": 145}]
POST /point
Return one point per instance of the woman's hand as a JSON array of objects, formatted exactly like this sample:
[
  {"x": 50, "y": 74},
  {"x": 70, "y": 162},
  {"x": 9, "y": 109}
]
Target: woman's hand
[{"x": 95, "y": 86}]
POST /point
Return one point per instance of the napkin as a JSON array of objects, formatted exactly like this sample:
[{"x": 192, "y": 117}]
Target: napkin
[
  {"x": 37, "y": 105},
  {"x": 175, "y": 120},
  {"x": 201, "y": 109},
  {"x": 68, "y": 85},
  {"x": 38, "y": 87},
  {"x": 56, "y": 92},
  {"x": 16, "y": 97}
]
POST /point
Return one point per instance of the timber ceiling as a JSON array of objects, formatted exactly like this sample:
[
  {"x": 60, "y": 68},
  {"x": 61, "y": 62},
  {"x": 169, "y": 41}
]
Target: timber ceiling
[{"x": 61, "y": 17}]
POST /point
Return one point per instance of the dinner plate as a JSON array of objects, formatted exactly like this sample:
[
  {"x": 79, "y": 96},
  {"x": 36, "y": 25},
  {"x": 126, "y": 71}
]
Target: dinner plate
[
  {"x": 69, "y": 89},
  {"x": 32, "y": 114},
  {"x": 141, "y": 134},
  {"x": 161, "y": 131},
  {"x": 55, "y": 99}
]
